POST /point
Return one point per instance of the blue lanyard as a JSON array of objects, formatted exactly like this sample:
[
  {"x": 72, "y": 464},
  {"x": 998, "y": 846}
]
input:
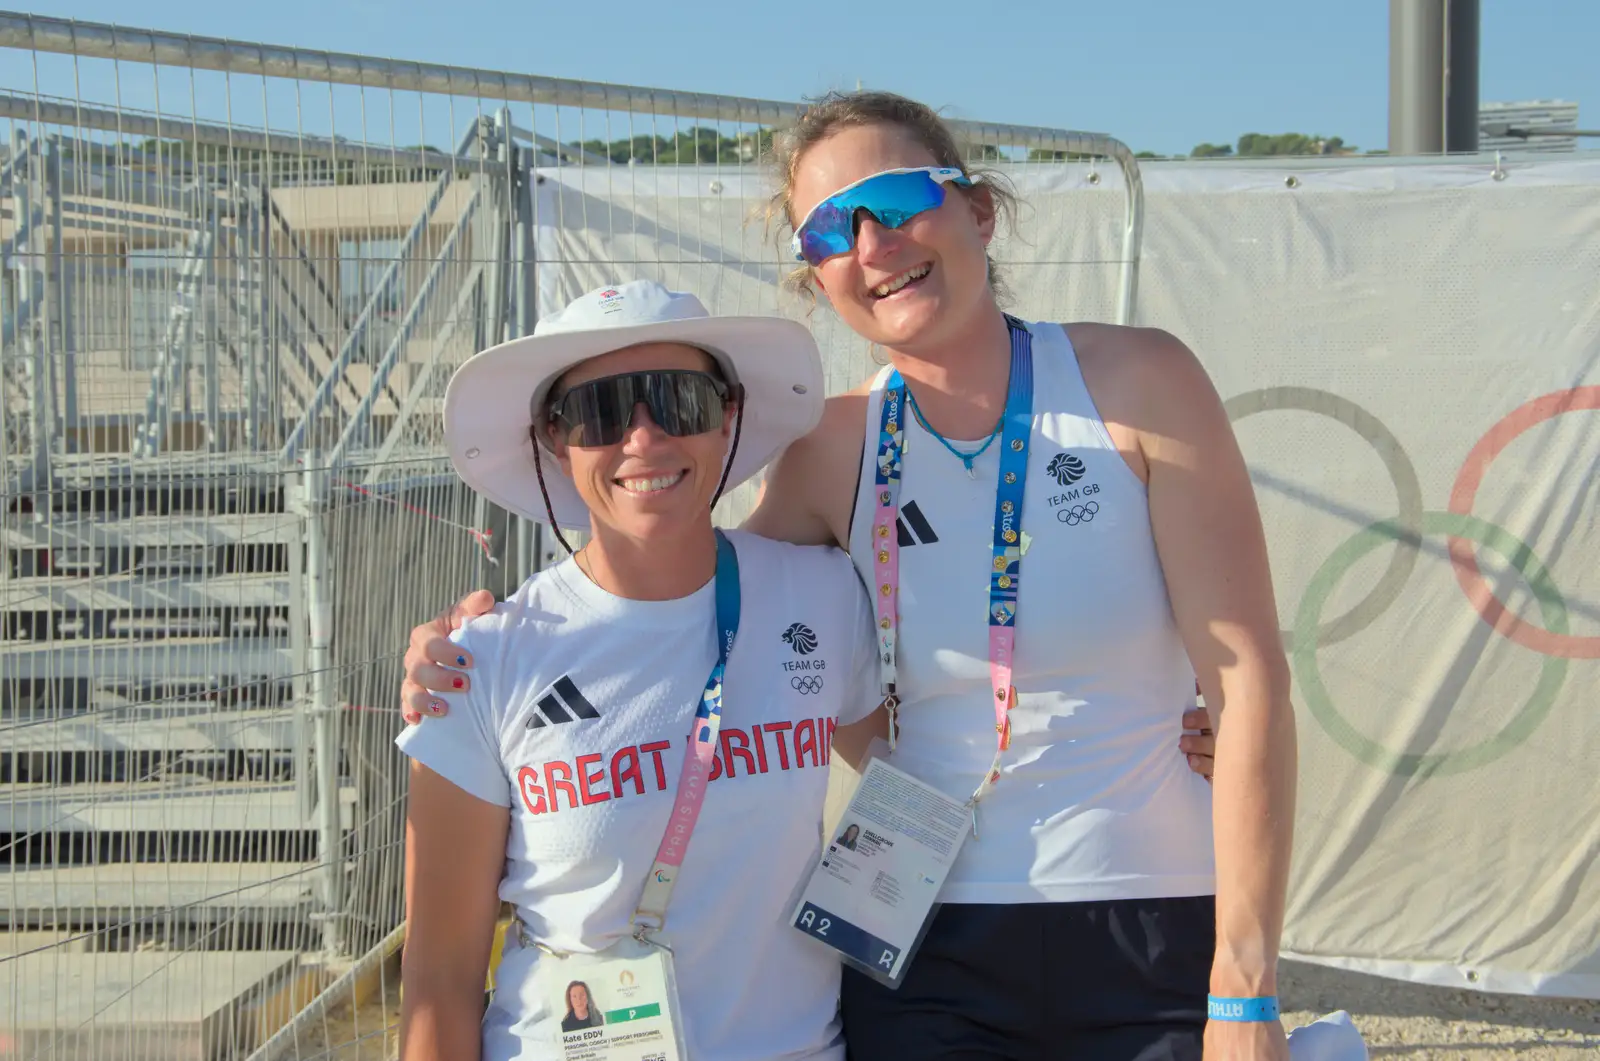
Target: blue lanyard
[
  {"x": 709, "y": 717},
  {"x": 1005, "y": 569},
  {"x": 651, "y": 912}
]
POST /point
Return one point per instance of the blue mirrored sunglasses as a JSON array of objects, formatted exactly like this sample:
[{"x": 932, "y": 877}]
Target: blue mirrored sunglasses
[{"x": 892, "y": 197}]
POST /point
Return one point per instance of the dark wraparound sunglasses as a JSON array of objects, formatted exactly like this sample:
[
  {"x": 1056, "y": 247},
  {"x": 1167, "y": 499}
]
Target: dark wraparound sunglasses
[
  {"x": 682, "y": 403},
  {"x": 597, "y": 413}
]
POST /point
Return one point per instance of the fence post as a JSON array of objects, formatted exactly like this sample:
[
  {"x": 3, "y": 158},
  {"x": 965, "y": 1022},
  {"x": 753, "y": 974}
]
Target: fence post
[
  {"x": 324, "y": 712},
  {"x": 496, "y": 149},
  {"x": 210, "y": 340},
  {"x": 526, "y": 178},
  {"x": 32, "y": 318},
  {"x": 65, "y": 338},
  {"x": 295, "y": 490}
]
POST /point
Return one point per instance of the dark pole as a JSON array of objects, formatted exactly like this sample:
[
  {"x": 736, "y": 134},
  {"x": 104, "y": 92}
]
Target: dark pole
[
  {"x": 1416, "y": 77},
  {"x": 1461, "y": 101}
]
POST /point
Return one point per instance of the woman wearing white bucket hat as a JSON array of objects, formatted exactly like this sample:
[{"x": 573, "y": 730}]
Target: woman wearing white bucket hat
[{"x": 640, "y": 769}]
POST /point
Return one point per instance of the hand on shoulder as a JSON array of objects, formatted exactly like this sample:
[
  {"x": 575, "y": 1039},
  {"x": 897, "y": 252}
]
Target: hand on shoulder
[{"x": 436, "y": 664}]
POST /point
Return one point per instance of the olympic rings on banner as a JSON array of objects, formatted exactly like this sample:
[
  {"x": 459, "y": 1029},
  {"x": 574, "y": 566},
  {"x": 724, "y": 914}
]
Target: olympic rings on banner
[
  {"x": 1412, "y": 764},
  {"x": 1465, "y": 492},
  {"x": 1408, "y": 493}
]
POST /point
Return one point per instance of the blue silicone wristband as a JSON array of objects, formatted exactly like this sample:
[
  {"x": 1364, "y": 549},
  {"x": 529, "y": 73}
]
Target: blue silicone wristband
[{"x": 1242, "y": 1009}]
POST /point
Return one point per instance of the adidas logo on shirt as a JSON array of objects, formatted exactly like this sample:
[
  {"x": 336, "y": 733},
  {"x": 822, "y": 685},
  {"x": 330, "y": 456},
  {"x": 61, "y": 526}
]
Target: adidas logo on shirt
[
  {"x": 914, "y": 527},
  {"x": 564, "y": 702}
]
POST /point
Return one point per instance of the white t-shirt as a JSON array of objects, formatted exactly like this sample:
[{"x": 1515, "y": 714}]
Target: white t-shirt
[{"x": 578, "y": 721}]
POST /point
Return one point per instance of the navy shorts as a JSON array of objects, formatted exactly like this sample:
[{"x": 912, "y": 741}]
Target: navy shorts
[{"x": 1122, "y": 980}]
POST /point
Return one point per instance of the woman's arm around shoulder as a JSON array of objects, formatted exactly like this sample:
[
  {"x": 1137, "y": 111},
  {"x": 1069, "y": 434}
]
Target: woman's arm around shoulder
[
  {"x": 1213, "y": 552},
  {"x": 809, "y": 491}
]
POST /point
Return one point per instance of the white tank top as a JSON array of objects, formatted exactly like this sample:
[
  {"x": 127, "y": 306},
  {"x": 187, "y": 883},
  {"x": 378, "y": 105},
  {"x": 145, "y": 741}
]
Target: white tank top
[{"x": 1095, "y": 800}]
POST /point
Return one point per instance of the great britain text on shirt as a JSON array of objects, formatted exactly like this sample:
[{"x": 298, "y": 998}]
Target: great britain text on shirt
[{"x": 557, "y": 784}]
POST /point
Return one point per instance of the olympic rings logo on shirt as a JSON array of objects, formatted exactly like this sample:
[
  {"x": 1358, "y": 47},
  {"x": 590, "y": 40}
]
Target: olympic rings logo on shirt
[
  {"x": 1462, "y": 531},
  {"x": 806, "y": 684},
  {"x": 1078, "y": 513}
]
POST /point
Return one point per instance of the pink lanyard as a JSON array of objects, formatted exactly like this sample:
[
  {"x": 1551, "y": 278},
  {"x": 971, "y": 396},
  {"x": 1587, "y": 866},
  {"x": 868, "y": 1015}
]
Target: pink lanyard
[
  {"x": 651, "y": 913},
  {"x": 1006, "y": 561}
]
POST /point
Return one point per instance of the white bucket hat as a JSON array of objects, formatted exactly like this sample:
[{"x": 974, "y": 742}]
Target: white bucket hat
[{"x": 489, "y": 403}]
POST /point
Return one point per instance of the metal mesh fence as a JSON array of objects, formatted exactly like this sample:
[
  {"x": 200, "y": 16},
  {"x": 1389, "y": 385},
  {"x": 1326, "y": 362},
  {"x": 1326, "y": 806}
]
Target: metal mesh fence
[{"x": 235, "y": 281}]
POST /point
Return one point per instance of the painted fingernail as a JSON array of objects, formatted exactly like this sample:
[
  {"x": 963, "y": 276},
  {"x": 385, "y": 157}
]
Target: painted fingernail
[
  {"x": 461, "y": 661},
  {"x": 458, "y": 683},
  {"x": 436, "y": 706}
]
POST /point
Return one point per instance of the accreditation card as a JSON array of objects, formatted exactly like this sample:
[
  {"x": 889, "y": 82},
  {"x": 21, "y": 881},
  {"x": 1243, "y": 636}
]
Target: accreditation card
[
  {"x": 618, "y": 1005},
  {"x": 872, "y": 893}
]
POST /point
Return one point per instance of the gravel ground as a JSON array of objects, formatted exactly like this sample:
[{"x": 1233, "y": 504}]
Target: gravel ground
[
  {"x": 1420, "y": 1023},
  {"x": 1409, "y": 1022}
]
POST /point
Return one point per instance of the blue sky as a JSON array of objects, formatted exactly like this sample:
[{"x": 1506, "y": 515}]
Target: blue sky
[{"x": 1161, "y": 75}]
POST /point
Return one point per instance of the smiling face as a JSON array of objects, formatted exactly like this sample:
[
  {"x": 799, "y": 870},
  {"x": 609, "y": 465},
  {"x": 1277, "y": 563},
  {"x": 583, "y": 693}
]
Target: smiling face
[
  {"x": 649, "y": 483},
  {"x": 909, "y": 287}
]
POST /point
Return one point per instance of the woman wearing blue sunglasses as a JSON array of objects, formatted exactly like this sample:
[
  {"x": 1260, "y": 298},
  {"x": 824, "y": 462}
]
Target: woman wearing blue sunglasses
[{"x": 1110, "y": 904}]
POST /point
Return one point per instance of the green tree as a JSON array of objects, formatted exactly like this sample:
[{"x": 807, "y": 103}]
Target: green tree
[
  {"x": 1275, "y": 145},
  {"x": 1268, "y": 145},
  {"x": 1039, "y": 154},
  {"x": 695, "y": 144}
]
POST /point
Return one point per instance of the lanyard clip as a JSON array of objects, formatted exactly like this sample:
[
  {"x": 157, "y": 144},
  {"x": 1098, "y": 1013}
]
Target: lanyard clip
[
  {"x": 972, "y": 811},
  {"x": 526, "y": 940},
  {"x": 891, "y": 707},
  {"x": 642, "y": 933}
]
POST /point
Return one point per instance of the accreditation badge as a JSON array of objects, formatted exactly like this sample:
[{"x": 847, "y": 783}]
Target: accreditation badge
[
  {"x": 872, "y": 893},
  {"x": 620, "y": 1004}
]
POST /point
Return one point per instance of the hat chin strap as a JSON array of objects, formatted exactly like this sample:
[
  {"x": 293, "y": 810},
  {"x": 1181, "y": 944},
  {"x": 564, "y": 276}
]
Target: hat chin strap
[
  {"x": 544, "y": 491},
  {"x": 727, "y": 467},
  {"x": 733, "y": 450}
]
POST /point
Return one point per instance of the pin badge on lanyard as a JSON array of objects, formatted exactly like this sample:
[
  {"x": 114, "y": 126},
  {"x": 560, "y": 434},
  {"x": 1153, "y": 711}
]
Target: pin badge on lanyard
[{"x": 1005, "y": 569}]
